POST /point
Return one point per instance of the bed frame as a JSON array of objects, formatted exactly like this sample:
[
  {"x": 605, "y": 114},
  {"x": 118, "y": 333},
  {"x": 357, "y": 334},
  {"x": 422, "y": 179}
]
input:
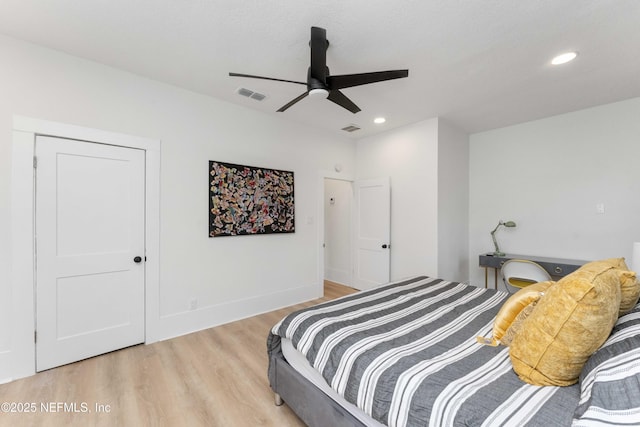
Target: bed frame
[{"x": 311, "y": 404}]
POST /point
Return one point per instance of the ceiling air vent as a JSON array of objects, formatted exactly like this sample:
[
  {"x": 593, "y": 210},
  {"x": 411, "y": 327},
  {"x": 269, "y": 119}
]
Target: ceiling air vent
[
  {"x": 350, "y": 128},
  {"x": 250, "y": 94}
]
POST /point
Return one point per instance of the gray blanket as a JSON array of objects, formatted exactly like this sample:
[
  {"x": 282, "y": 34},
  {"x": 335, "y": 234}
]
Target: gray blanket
[{"x": 406, "y": 354}]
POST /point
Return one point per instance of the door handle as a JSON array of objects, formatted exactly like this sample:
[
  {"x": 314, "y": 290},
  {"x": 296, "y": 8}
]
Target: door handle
[
  {"x": 385, "y": 246},
  {"x": 137, "y": 259}
]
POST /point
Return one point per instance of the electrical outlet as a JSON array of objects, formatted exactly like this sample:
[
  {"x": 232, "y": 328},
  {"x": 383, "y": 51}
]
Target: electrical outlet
[
  {"x": 193, "y": 303},
  {"x": 600, "y": 208}
]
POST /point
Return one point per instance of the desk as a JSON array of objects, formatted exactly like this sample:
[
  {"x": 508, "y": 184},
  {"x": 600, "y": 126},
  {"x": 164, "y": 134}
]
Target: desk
[{"x": 556, "y": 267}]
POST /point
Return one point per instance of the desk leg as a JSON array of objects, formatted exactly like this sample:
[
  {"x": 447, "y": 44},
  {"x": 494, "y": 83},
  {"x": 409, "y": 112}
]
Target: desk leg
[
  {"x": 486, "y": 277},
  {"x": 495, "y": 278}
]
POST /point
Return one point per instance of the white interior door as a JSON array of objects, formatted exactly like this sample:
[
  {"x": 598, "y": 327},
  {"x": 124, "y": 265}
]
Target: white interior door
[
  {"x": 89, "y": 229},
  {"x": 372, "y": 232}
]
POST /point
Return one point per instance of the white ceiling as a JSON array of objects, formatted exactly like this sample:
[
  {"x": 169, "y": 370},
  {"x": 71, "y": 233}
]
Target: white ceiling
[{"x": 478, "y": 64}]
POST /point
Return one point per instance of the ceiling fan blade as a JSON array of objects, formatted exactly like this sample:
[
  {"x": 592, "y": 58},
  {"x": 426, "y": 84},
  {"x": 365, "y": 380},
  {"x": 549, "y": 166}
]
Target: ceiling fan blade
[
  {"x": 293, "y": 101},
  {"x": 340, "y": 98},
  {"x": 319, "y": 45},
  {"x": 265, "y": 78},
  {"x": 350, "y": 80}
]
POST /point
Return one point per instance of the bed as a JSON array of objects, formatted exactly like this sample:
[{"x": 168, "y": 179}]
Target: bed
[{"x": 407, "y": 354}]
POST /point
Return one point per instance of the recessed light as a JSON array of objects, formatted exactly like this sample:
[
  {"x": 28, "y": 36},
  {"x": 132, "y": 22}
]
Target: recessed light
[
  {"x": 564, "y": 58},
  {"x": 379, "y": 120}
]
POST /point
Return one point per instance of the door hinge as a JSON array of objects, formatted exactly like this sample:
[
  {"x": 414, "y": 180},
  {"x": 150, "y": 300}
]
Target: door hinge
[
  {"x": 35, "y": 162},
  {"x": 35, "y": 336}
]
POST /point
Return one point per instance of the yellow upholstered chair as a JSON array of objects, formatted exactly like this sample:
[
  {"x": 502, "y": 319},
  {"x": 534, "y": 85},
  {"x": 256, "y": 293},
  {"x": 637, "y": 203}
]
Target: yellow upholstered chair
[{"x": 520, "y": 273}]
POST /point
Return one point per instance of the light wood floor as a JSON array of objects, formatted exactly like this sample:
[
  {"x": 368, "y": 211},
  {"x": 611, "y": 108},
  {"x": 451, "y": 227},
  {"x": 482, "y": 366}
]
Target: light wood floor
[{"x": 215, "y": 377}]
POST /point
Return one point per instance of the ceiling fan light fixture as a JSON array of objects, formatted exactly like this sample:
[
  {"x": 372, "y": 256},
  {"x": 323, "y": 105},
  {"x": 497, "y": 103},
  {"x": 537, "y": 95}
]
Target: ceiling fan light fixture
[
  {"x": 318, "y": 93},
  {"x": 564, "y": 58},
  {"x": 379, "y": 120}
]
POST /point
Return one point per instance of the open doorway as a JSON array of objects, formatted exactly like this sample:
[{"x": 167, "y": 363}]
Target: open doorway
[{"x": 338, "y": 231}]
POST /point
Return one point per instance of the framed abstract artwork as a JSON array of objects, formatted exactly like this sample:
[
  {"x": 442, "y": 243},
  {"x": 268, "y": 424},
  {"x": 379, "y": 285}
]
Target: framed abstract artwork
[{"x": 249, "y": 200}]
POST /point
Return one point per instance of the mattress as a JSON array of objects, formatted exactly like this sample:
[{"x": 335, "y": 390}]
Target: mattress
[{"x": 302, "y": 366}]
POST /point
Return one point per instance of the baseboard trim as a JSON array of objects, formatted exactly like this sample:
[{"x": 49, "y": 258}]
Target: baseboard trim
[{"x": 186, "y": 322}]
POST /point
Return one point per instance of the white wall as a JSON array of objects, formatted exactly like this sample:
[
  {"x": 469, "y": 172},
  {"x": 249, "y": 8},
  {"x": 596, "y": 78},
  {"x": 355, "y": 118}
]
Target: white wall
[
  {"x": 337, "y": 230},
  {"x": 409, "y": 156},
  {"x": 231, "y": 276},
  {"x": 548, "y": 176},
  {"x": 427, "y": 199},
  {"x": 453, "y": 202}
]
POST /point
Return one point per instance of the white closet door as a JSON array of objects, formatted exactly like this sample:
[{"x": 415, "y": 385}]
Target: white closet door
[{"x": 89, "y": 249}]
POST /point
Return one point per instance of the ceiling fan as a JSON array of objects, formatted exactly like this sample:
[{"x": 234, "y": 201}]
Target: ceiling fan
[{"x": 321, "y": 84}]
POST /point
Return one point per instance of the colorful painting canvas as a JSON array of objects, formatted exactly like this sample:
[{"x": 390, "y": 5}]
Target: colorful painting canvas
[{"x": 249, "y": 200}]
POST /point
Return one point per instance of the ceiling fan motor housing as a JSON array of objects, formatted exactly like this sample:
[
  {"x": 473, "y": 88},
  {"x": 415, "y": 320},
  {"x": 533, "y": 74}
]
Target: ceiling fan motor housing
[{"x": 315, "y": 83}]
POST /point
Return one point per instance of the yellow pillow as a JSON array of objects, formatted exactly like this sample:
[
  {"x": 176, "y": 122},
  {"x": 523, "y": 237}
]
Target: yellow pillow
[
  {"x": 569, "y": 323},
  {"x": 514, "y": 305},
  {"x": 630, "y": 291},
  {"x": 629, "y": 285},
  {"x": 614, "y": 262},
  {"x": 516, "y": 325}
]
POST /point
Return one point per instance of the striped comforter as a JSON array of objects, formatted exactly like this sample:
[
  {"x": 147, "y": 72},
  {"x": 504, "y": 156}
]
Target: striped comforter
[{"x": 406, "y": 354}]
